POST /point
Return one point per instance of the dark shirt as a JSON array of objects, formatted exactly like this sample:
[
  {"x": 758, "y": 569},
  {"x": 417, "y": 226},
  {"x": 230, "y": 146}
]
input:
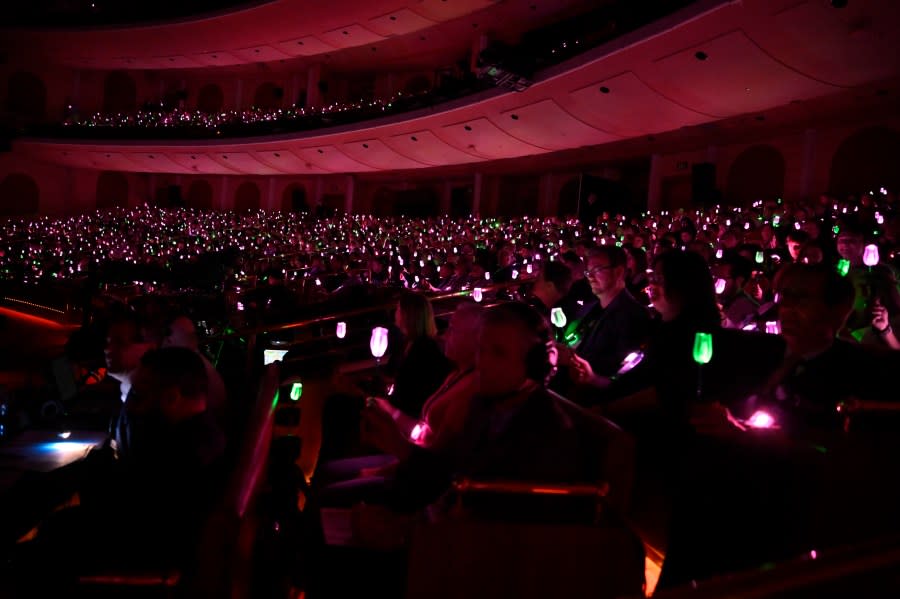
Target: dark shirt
[
  {"x": 611, "y": 333},
  {"x": 580, "y": 291},
  {"x": 419, "y": 374}
]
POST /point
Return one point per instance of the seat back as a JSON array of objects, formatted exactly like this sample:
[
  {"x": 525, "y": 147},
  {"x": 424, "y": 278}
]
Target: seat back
[
  {"x": 607, "y": 450},
  {"x": 465, "y": 557}
]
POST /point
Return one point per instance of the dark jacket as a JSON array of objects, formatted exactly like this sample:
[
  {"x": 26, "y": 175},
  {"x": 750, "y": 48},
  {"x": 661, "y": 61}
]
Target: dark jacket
[
  {"x": 611, "y": 333},
  {"x": 419, "y": 374}
]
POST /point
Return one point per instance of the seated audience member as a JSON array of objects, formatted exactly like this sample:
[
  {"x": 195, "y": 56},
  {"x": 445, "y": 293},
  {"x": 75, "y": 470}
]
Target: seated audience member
[
  {"x": 181, "y": 332},
  {"x": 636, "y": 278},
  {"x": 883, "y": 303},
  {"x": 796, "y": 242},
  {"x": 443, "y": 416},
  {"x": 444, "y": 412},
  {"x": 737, "y": 306},
  {"x": 613, "y": 327},
  {"x": 422, "y": 365},
  {"x": 513, "y": 429},
  {"x": 550, "y": 287},
  {"x": 125, "y": 344},
  {"x": 819, "y": 370},
  {"x": 144, "y": 508}
]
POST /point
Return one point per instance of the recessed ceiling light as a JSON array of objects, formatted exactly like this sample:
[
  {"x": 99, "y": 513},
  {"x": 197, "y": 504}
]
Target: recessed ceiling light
[
  {"x": 604, "y": 90},
  {"x": 300, "y": 42},
  {"x": 320, "y": 151},
  {"x": 467, "y": 128},
  {"x": 393, "y": 18},
  {"x": 365, "y": 145},
  {"x": 224, "y": 156},
  {"x": 414, "y": 138},
  {"x": 701, "y": 55},
  {"x": 345, "y": 32},
  {"x": 514, "y": 117},
  {"x": 277, "y": 155}
]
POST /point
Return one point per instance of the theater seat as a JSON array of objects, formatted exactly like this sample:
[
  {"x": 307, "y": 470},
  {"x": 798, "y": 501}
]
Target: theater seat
[
  {"x": 464, "y": 554},
  {"x": 525, "y": 539},
  {"x": 608, "y": 453},
  {"x": 223, "y": 563}
]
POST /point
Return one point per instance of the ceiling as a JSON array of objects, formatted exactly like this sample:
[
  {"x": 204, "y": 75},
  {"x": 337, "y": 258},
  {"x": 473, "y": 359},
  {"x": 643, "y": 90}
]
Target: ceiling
[
  {"x": 716, "y": 62},
  {"x": 291, "y": 32}
]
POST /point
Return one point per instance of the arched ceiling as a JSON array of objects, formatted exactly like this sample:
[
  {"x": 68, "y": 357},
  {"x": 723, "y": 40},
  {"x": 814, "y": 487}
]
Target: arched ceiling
[
  {"x": 284, "y": 30},
  {"x": 715, "y": 60}
]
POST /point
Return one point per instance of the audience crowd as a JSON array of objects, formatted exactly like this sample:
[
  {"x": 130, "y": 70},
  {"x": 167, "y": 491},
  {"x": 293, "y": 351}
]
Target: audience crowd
[{"x": 743, "y": 349}]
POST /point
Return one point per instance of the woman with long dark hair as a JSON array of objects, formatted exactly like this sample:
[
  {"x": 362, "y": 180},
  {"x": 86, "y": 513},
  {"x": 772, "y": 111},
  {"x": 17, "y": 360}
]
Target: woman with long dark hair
[{"x": 422, "y": 366}]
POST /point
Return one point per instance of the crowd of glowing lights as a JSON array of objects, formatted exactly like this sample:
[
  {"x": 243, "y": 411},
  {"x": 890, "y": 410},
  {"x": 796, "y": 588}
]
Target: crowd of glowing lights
[
  {"x": 294, "y": 116},
  {"x": 413, "y": 252}
]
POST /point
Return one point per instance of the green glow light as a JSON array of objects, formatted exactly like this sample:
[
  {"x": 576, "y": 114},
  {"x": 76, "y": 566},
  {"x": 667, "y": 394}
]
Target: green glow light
[
  {"x": 843, "y": 267},
  {"x": 558, "y": 317},
  {"x": 703, "y": 348},
  {"x": 296, "y": 391}
]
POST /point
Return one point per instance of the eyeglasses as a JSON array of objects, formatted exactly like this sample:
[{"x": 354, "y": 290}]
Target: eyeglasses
[{"x": 593, "y": 272}]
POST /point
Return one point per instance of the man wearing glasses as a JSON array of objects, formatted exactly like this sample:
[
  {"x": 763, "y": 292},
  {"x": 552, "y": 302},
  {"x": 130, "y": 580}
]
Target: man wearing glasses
[{"x": 614, "y": 326}]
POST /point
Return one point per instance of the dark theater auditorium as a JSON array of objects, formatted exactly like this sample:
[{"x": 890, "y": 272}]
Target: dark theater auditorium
[{"x": 449, "y": 299}]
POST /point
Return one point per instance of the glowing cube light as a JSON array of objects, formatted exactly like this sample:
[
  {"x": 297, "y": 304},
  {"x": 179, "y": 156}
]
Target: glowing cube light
[
  {"x": 477, "y": 294},
  {"x": 630, "y": 361},
  {"x": 703, "y": 348},
  {"x": 843, "y": 267},
  {"x": 558, "y": 317},
  {"x": 341, "y": 330},
  {"x": 761, "y": 419},
  {"x": 378, "y": 342},
  {"x": 720, "y": 286},
  {"x": 870, "y": 255},
  {"x": 296, "y": 391}
]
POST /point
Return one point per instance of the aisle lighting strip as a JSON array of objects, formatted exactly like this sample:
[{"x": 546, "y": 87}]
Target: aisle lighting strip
[{"x": 33, "y": 305}]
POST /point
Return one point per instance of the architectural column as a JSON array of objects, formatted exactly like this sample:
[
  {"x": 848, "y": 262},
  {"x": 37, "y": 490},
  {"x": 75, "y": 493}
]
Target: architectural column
[
  {"x": 349, "y": 192},
  {"x": 223, "y": 193},
  {"x": 807, "y": 169},
  {"x": 476, "y": 194},
  {"x": 654, "y": 184},
  {"x": 76, "y": 90},
  {"x": 293, "y": 90},
  {"x": 446, "y": 197},
  {"x": 270, "y": 195},
  {"x": 478, "y": 44},
  {"x": 546, "y": 204},
  {"x": 239, "y": 94},
  {"x": 313, "y": 76},
  {"x": 318, "y": 192}
]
